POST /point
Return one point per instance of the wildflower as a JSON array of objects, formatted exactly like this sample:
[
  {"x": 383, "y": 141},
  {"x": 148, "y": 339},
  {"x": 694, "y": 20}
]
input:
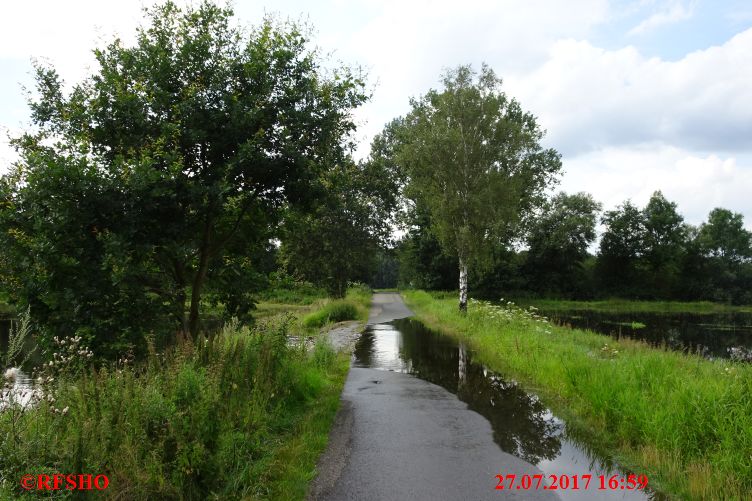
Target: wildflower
[{"x": 65, "y": 411}]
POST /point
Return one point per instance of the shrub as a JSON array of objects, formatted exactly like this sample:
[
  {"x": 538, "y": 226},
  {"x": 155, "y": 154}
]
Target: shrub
[{"x": 336, "y": 311}]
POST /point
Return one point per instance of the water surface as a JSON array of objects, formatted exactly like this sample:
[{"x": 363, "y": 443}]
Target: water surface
[
  {"x": 522, "y": 425},
  {"x": 716, "y": 335}
]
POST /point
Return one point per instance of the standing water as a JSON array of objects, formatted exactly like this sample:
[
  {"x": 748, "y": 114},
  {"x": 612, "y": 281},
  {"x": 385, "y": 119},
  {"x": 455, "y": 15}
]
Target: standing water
[
  {"x": 521, "y": 424},
  {"x": 16, "y": 388},
  {"x": 714, "y": 335}
]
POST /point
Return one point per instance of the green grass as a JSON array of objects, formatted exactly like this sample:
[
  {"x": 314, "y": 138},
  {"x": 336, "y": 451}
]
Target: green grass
[
  {"x": 684, "y": 421},
  {"x": 623, "y": 305},
  {"x": 354, "y": 306},
  {"x": 239, "y": 416}
]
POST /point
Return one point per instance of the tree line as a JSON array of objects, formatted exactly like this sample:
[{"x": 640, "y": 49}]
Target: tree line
[{"x": 645, "y": 252}]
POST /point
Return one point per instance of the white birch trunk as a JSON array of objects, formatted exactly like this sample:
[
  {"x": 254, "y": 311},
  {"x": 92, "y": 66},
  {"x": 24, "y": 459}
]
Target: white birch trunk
[
  {"x": 462, "y": 369},
  {"x": 463, "y": 286}
]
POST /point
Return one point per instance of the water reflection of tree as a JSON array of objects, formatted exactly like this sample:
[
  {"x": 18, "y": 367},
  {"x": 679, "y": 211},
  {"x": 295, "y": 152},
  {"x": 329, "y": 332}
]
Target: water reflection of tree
[
  {"x": 364, "y": 348},
  {"x": 521, "y": 423}
]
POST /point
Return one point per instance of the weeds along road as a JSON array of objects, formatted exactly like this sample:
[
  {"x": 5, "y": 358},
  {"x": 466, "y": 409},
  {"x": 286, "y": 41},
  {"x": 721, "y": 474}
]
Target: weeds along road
[{"x": 397, "y": 437}]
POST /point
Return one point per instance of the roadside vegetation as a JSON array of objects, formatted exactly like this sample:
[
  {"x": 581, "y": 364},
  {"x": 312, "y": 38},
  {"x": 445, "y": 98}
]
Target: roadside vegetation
[
  {"x": 625, "y": 305},
  {"x": 684, "y": 421},
  {"x": 239, "y": 414}
]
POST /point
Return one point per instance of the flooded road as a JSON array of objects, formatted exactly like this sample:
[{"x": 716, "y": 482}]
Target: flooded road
[
  {"x": 522, "y": 425},
  {"x": 421, "y": 420}
]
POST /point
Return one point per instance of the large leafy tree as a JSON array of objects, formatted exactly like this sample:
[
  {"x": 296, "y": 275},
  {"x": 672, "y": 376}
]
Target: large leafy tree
[
  {"x": 340, "y": 238},
  {"x": 724, "y": 237},
  {"x": 143, "y": 184},
  {"x": 558, "y": 242},
  {"x": 726, "y": 249},
  {"x": 475, "y": 159},
  {"x": 664, "y": 244},
  {"x": 622, "y": 247}
]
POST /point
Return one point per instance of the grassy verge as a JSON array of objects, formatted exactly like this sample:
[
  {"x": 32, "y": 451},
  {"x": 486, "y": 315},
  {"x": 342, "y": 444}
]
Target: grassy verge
[
  {"x": 354, "y": 306},
  {"x": 623, "y": 305},
  {"x": 242, "y": 415},
  {"x": 684, "y": 421}
]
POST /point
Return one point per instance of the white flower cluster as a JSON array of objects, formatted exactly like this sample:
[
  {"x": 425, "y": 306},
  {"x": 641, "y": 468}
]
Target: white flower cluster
[
  {"x": 508, "y": 312},
  {"x": 70, "y": 353},
  {"x": 609, "y": 351}
]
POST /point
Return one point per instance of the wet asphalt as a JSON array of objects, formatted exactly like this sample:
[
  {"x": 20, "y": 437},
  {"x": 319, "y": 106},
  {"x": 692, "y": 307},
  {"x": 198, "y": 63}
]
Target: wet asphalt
[{"x": 397, "y": 437}]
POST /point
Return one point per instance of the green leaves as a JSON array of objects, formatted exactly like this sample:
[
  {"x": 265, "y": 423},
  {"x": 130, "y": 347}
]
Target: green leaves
[
  {"x": 473, "y": 159},
  {"x": 168, "y": 166}
]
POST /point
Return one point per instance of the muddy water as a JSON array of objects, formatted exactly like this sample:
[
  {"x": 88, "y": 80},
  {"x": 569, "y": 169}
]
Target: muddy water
[{"x": 521, "y": 424}]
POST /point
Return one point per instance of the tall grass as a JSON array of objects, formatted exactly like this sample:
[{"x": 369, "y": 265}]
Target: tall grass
[
  {"x": 354, "y": 306},
  {"x": 624, "y": 305},
  {"x": 683, "y": 420},
  {"x": 241, "y": 415}
]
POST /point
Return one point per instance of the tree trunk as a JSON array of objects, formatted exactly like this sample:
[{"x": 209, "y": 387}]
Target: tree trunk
[
  {"x": 463, "y": 286},
  {"x": 198, "y": 284},
  {"x": 198, "y": 281}
]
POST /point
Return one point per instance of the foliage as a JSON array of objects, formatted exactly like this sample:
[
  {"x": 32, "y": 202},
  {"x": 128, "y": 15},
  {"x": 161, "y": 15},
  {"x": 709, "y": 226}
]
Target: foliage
[
  {"x": 338, "y": 241},
  {"x": 474, "y": 158},
  {"x": 386, "y": 273},
  {"x": 285, "y": 289},
  {"x": 423, "y": 262},
  {"x": 239, "y": 415},
  {"x": 558, "y": 242},
  {"x": 621, "y": 246},
  {"x": 335, "y": 311},
  {"x": 353, "y": 307},
  {"x": 162, "y": 174},
  {"x": 701, "y": 426},
  {"x": 724, "y": 237},
  {"x": 19, "y": 337}
]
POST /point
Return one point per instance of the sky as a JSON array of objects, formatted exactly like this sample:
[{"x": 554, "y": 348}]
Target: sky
[{"x": 637, "y": 95}]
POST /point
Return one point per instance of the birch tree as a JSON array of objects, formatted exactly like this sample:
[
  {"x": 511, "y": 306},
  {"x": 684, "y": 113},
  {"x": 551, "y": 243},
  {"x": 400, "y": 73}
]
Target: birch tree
[{"x": 474, "y": 158}]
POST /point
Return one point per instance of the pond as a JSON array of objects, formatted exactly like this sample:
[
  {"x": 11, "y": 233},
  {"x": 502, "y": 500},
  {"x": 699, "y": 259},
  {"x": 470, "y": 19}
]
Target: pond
[
  {"x": 522, "y": 425},
  {"x": 716, "y": 335}
]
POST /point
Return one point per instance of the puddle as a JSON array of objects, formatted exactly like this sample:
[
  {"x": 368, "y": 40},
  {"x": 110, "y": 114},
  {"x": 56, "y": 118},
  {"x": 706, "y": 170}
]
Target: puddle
[{"x": 521, "y": 424}]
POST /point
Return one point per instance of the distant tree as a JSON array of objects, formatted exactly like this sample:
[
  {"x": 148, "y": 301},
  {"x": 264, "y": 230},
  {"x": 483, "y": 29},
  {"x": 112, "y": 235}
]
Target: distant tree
[
  {"x": 621, "y": 248},
  {"x": 423, "y": 262},
  {"x": 664, "y": 243},
  {"x": 339, "y": 240},
  {"x": 725, "y": 247},
  {"x": 724, "y": 237},
  {"x": 386, "y": 272},
  {"x": 139, "y": 187},
  {"x": 474, "y": 158},
  {"x": 558, "y": 242}
]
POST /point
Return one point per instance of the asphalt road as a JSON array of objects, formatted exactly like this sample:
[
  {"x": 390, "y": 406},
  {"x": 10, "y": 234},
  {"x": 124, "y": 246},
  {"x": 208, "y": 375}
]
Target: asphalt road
[{"x": 398, "y": 437}]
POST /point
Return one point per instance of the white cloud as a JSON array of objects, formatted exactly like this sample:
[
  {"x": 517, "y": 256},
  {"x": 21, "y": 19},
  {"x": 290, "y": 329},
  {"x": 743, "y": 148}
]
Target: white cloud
[
  {"x": 406, "y": 45},
  {"x": 696, "y": 183},
  {"x": 676, "y": 11},
  {"x": 590, "y": 98}
]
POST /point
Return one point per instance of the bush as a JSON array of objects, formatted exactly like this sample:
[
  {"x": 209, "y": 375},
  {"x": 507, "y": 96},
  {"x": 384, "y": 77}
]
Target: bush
[
  {"x": 201, "y": 421},
  {"x": 336, "y": 311}
]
